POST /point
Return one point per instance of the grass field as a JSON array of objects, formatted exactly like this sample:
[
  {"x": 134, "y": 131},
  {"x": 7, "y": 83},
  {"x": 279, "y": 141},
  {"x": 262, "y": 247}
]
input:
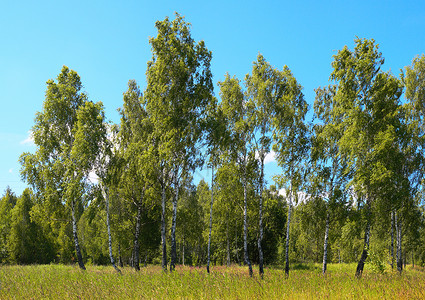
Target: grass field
[{"x": 304, "y": 282}]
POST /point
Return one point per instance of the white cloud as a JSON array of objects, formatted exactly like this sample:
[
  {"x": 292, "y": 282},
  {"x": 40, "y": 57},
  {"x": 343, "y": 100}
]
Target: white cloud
[
  {"x": 29, "y": 139},
  {"x": 302, "y": 196},
  {"x": 270, "y": 157},
  {"x": 11, "y": 171},
  {"x": 282, "y": 192},
  {"x": 93, "y": 178}
]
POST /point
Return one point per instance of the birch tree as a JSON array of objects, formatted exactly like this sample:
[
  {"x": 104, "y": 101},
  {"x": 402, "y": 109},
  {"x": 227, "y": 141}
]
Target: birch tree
[
  {"x": 328, "y": 165},
  {"x": 235, "y": 110},
  {"x": 263, "y": 90},
  {"x": 290, "y": 141},
  {"x": 65, "y": 151},
  {"x": 140, "y": 165},
  {"x": 366, "y": 111},
  {"x": 413, "y": 79},
  {"x": 106, "y": 171},
  {"x": 217, "y": 139},
  {"x": 179, "y": 87}
]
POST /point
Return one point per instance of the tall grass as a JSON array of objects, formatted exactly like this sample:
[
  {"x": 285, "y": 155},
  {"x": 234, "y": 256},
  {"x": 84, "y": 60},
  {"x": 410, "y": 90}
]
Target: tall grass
[{"x": 69, "y": 282}]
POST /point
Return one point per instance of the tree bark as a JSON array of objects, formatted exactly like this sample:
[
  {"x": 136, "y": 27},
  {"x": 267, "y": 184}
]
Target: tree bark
[
  {"x": 108, "y": 225},
  {"x": 183, "y": 249},
  {"x": 260, "y": 224},
  {"x": 245, "y": 223},
  {"x": 119, "y": 256},
  {"x": 392, "y": 240},
  {"x": 136, "y": 237},
  {"x": 236, "y": 243},
  {"x": 228, "y": 241},
  {"x": 399, "y": 253},
  {"x": 360, "y": 265},
  {"x": 413, "y": 260},
  {"x": 74, "y": 232},
  {"x": 163, "y": 238},
  {"x": 211, "y": 212},
  {"x": 287, "y": 235},
  {"x": 173, "y": 224},
  {"x": 365, "y": 252},
  {"x": 325, "y": 246}
]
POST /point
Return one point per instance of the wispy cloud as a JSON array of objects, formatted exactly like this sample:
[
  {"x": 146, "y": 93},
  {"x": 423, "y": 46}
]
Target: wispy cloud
[
  {"x": 10, "y": 170},
  {"x": 29, "y": 140}
]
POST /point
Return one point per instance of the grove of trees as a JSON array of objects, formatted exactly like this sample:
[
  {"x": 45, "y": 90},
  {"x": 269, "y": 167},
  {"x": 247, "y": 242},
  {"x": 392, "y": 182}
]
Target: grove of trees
[{"x": 350, "y": 187}]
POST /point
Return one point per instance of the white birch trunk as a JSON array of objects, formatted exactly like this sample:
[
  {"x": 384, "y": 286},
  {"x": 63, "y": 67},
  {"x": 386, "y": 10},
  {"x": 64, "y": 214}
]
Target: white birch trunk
[
  {"x": 105, "y": 194},
  {"x": 228, "y": 241},
  {"x": 260, "y": 224},
  {"x": 210, "y": 226},
  {"x": 392, "y": 240},
  {"x": 325, "y": 246},
  {"x": 183, "y": 249},
  {"x": 360, "y": 265},
  {"x": 398, "y": 235},
  {"x": 236, "y": 242},
  {"x": 74, "y": 232},
  {"x": 173, "y": 224},
  {"x": 136, "y": 259},
  {"x": 365, "y": 252},
  {"x": 245, "y": 223},
  {"x": 163, "y": 238},
  {"x": 288, "y": 224}
]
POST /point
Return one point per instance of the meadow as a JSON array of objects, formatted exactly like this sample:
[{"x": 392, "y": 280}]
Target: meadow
[{"x": 304, "y": 282}]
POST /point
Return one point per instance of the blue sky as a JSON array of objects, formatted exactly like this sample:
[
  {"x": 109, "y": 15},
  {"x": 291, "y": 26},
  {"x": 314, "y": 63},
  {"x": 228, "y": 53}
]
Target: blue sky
[{"x": 107, "y": 43}]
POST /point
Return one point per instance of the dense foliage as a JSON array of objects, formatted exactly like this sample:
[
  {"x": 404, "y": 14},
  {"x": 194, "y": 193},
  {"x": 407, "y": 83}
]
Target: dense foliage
[{"x": 350, "y": 189}]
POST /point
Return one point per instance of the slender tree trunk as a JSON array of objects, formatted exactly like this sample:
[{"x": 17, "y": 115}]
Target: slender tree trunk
[
  {"x": 245, "y": 223},
  {"x": 413, "y": 260},
  {"x": 108, "y": 225},
  {"x": 228, "y": 241},
  {"x": 365, "y": 252},
  {"x": 119, "y": 256},
  {"x": 136, "y": 251},
  {"x": 260, "y": 224},
  {"x": 405, "y": 259},
  {"x": 211, "y": 212},
  {"x": 325, "y": 246},
  {"x": 163, "y": 238},
  {"x": 236, "y": 243},
  {"x": 360, "y": 265},
  {"x": 392, "y": 240},
  {"x": 183, "y": 249},
  {"x": 287, "y": 235},
  {"x": 399, "y": 253},
  {"x": 74, "y": 232},
  {"x": 173, "y": 224}
]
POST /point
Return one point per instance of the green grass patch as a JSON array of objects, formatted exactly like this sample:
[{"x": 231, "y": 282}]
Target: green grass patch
[{"x": 69, "y": 282}]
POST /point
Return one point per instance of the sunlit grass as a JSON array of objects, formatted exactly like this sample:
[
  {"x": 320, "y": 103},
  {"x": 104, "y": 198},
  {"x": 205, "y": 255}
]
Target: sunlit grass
[{"x": 304, "y": 282}]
